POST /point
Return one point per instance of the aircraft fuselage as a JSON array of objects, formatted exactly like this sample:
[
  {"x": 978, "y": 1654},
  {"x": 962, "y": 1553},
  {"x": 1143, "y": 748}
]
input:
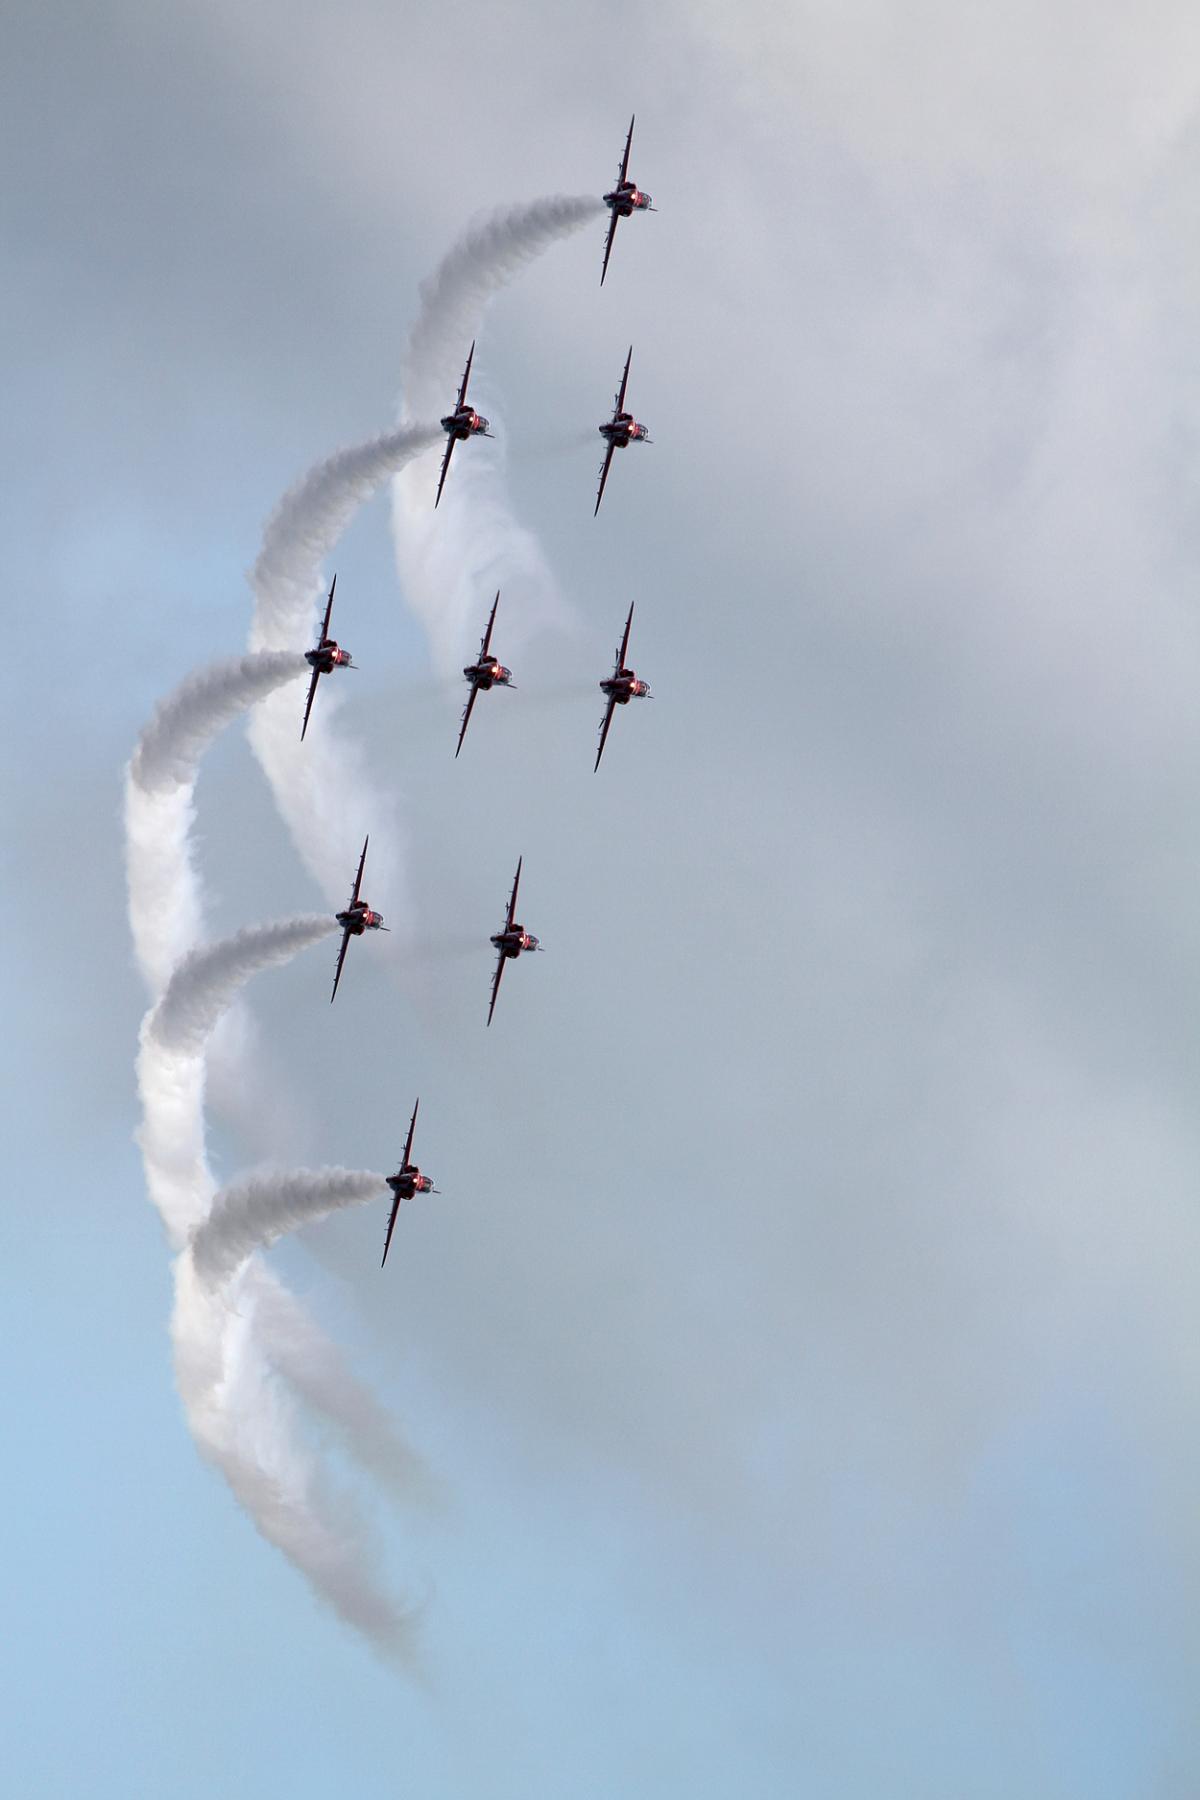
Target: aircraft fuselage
[
  {"x": 407, "y": 1182},
  {"x": 514, "y": 940},
  {"x": 488, "y": 673},
  {"x": 327, "y": 657},
  {"x": 625, "y": 687},
  {"x": 623, "y": 430},
  {"x": 465, "y": 423},
  {"x": 627, "y": 199},
  {"x": 359, "y": 918}
]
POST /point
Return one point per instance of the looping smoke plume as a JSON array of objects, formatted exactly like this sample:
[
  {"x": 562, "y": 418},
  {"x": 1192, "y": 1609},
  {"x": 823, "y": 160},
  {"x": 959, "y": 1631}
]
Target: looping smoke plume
[
  {"x": 446, "y": 565},
  {"x": 318, "y": 1374},
  {"x": 186, "y": 722},
  {"x": 164, "y": 902},
  {"x": 492, "y": 250},
  {"x": 255, "y": 1210},
  {"x": 323, "y": 788},
  {"x": 242, "y": 1424},
  {"x": 308, "y": 522},
  {"x": 205, "y": 982}
]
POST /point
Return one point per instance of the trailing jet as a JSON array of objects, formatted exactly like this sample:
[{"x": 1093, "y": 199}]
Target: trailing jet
[
  {"x": 621, "y": 687},
  {"x": 356, "y": 919},
  {"x": 625, "y": 199},
  {"x": 327, "y": 656},
  {"x": 407, "y": 1181},
  {"x": 484, "y": 673},
  {"x": 511, "y": 941},
  {"x": 621, "y": 430},
  {"x": 462, "y": 423}
]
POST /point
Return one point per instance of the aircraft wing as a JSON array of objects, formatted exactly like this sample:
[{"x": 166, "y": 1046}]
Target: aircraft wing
[
  {"x": 608, "y": 456},
  {"x": 624, "y": 642},
  {"x": 512, "y": 899},
  {"x": 312, "y": 694},
  {"x": 445, "y": 465},
  {"x": 623, "y": 386},
  {"x": 625, "y": 159},
  {"x": 608, "y": 713},
  {"x": 412, "y": 1126},
  {"x": 328, "y": 611},
  {"x": 338, "y": 972},
  {"x": 608, "y": 243},
  {"x": 496, "y": 985},
  {"x": 387, "y": 1242},
  {"x": 487, "y": 636},
  {"x": 358, "y": 878},
  {"x": 466, "y": 718},
  {"x": 462, "y": 392}
]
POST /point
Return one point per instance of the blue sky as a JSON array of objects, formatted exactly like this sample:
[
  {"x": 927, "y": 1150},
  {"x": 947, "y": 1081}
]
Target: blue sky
[{"x": 804, "y": 1343}]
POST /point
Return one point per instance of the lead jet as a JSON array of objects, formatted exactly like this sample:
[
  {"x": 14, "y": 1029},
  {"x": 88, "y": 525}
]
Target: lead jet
[
  {"x": 511, "y": 941},
  {"x": 356, "y": 919},
  {"x": 462, "y": 423},
  {"x": 621, "y": 687},
  {"x": 407, "y": 1181},
  {"x": 620, "y": 431},
  {"x": 624, "y": 199},
  {"x": 327, "y": 656},
  {"x": 484, "y": 673}
]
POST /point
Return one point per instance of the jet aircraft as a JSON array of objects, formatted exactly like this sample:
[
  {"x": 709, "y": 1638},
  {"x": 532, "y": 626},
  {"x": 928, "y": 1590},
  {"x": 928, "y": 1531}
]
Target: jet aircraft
[
  {"x": 624, "y": 199},
  {"x": 407, "y": 1181},
  {"x": 327, "y": 656},
  {"x": 621, "y": 430},
  {"x": 462, "y": 423},
  {"x": 621, "y": 687},
  {"x": 356, "y": 919},
  {"x": 484, "y": 673},
  {"x": 511, "y": 941}
]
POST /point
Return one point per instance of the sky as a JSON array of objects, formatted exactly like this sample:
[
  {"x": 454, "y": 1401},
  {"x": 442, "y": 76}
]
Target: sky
[{"x": 802, "y": 1348}]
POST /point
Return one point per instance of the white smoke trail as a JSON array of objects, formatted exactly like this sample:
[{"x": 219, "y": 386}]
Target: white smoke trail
[
  {"x": 170, "y": 1065},
  {"x": 234, "y": 1408},
  {"x": 164, "y": 896},
  {"x": 323, "y": 787},
  {"x": 258, "y": 1208},
  {"x": 185, "y": 723},
  {"x": 317, "y": 1372},
  {"x": 207, "y": 979},
  {"x": 242, "y": 1425},
  {"x": 492, "y": 250},
  {"x": 450, "y": 561}
]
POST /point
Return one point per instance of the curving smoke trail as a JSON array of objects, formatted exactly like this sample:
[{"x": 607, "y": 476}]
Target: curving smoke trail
[
  {"x": 318, "y": 1374},
  {"x": 323, "y": 788},
  {"x": 225, "y": 1368},
  {"x": 207, "y": 979},
  {"x": 164, "y": 895},
  {"x": 491, "y": 251},
  {"x": 185, "y": 723},
  {"x": 170, "y": 1064},
  {"x": 243, "y": 1424},
  {"x": 252, "y": 1212},
  {"x": 474, "y": 544},
  {"x": 308, "y": 522}
]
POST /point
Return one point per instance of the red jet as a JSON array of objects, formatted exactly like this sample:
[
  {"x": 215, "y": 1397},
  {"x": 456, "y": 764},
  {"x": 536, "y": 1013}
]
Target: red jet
[
  {"x": 327, "y": 656},
  {"x": 624, "y": 200},
  {"x": 483, "y": 674},
  {"x": 621, "y": 430},
  {"x": 511, "y": 941},
  {"x": 621, "y": 687},
  {"x": 356, "y": 919},
  {"x": 407, "y": 1181},
  {"x": 462, "y": 423}
]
